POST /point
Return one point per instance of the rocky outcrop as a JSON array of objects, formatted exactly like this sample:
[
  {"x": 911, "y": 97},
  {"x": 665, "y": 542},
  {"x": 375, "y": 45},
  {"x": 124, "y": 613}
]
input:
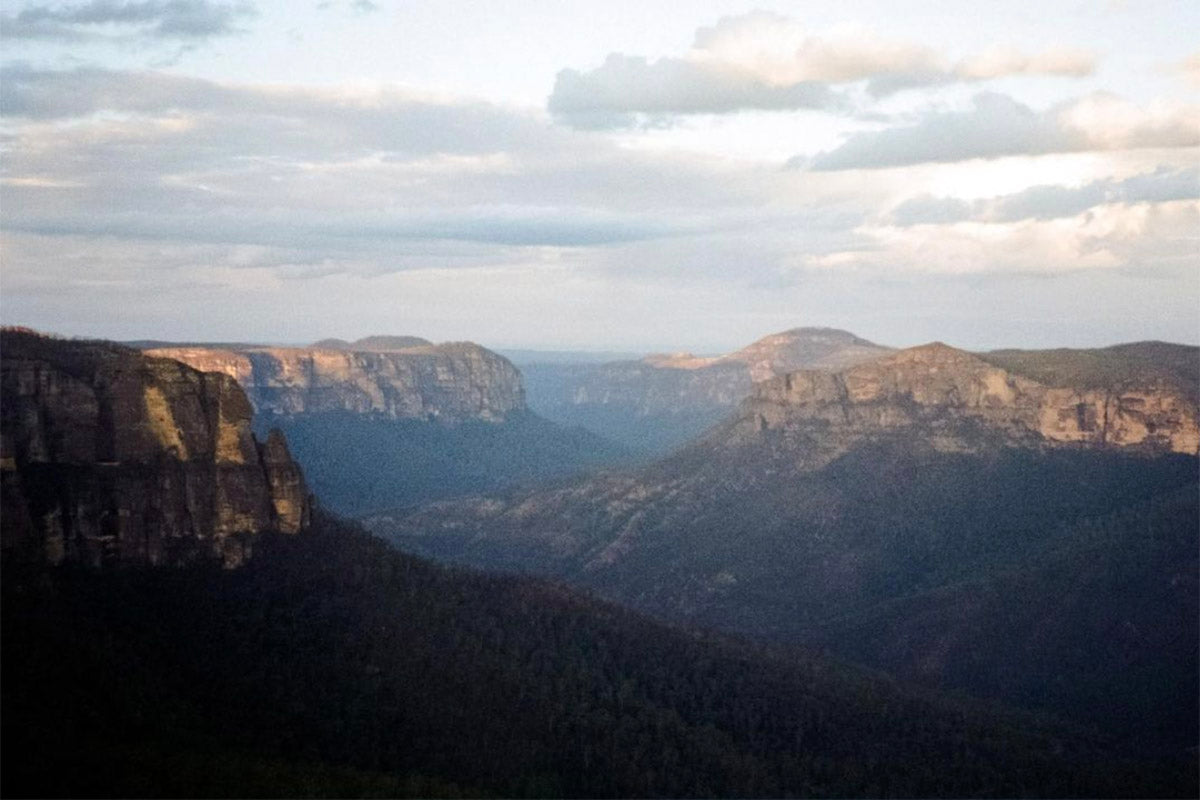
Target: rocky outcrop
[
  {"x": 959, "y": 400},
  {"x": 112, "y": 457},
  {"x": 661, "y": 401},
  {"x": 682, "y": 383},
  {"x": 804, "y": 348},
  {"x": 449, "y": 383}
]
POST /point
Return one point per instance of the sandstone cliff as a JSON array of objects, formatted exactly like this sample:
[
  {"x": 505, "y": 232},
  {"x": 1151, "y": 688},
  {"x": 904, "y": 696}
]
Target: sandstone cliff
[
  {"x": 389, "y": 377},
  {"x": 110, "y": 456},
  {"x": 661, "y": 401},
  {"x": 667, "y": 383},
  {"x": 953, "y": 397}
]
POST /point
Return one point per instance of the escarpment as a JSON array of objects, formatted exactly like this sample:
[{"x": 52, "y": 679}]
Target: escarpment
[
  {"x": 660, "y": 402},
  {"x": 113, "y": 457},
  {"x": 390, "y": 377},
  {"x": 955, "y": 398}
]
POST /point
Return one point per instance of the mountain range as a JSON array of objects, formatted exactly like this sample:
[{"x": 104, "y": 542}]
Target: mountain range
[
  {"x": 314, "y": 660},
  {"x": 929, "y": 512},
  {"x": 656, "y": 403},
  {"x": 930, "y": 573}
]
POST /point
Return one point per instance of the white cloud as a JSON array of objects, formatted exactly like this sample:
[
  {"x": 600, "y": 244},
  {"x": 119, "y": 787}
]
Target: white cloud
[
  {"x": 1188, "y": 69},
  {"x": 1140, "y": 235},
  {"x": 763, "y": 60},
  {"x": 1002, "y": 60},
  {"x": 781, "y": 51}
]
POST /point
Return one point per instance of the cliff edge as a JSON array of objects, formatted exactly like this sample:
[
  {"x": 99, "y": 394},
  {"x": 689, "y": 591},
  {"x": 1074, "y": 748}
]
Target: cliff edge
[
  {"x": 449, "y": 383},
  {"x": 109, "y": 456}
]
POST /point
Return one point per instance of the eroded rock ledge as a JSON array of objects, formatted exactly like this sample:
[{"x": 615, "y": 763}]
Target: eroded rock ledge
[
  {"x": 449, "y": 383},
  {"x": 942, "y": 389}
]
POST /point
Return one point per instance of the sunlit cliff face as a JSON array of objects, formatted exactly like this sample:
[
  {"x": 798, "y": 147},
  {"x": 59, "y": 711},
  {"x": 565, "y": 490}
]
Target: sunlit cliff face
[
  {"x": 934, "y": 385},
  {"x": 450, "y": 382}
]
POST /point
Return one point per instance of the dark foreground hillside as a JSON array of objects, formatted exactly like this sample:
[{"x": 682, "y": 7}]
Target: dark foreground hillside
[{"x": 331, "y": 665}]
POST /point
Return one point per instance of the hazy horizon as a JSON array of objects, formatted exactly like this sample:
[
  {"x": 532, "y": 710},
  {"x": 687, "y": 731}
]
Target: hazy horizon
[{"x": 597, "y": 353}]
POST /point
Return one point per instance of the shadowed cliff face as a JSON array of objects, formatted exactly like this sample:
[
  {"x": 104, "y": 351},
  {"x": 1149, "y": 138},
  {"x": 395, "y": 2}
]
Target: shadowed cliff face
[
  {"x": 449, "y": 383},
  {"x": 113, "y": 457}
]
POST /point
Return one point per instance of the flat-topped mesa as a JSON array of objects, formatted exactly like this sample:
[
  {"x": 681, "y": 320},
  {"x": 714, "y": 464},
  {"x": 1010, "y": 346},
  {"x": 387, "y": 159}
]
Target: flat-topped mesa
[
  {"x": 373, "y": 344},
  {"x": 952, "y": 393},
  {"x": 113, "y": 457},
  {"x": 804, "y": 348},
  {"x": 451, "y": 382}
]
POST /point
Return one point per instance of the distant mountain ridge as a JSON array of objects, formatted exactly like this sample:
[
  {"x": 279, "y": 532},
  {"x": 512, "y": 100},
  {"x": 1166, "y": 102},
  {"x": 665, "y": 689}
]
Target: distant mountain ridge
[
  {"x": 659, "y": 402},
  {"x": 374, "y": 344},
  {"x": 395, "y": 377}
]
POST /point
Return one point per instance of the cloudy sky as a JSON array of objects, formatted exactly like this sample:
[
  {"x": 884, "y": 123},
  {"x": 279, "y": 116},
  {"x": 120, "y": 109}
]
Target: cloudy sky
[{"x": 615, "y": 175}]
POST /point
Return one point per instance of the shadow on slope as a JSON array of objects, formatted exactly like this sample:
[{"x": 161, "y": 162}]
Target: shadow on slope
[{"x": 333, "y": 665}]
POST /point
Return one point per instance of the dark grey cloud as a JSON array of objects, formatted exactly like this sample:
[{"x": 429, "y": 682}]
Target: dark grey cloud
[
  {"x": 110, "y": 19},
  {"x": 1050, "y": 202},
  {"x": 997, "y": 126},
  {"x": 1045, "y": 202},
  {"x": 262, "y": 121}
]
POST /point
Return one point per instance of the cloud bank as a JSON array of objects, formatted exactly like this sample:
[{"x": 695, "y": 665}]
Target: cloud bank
[{"x": 765, "y": 61}]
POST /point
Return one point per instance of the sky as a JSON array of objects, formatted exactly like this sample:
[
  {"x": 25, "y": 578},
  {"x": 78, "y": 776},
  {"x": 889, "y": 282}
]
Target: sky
[{"x": 617, "y": 175}]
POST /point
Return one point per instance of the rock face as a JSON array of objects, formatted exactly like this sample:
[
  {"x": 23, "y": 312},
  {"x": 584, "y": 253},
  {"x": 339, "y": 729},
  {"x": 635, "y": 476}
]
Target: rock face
[
  {"x": 635, "y": 402},
  {"x": 113, "y": 457},
  {"x": 390, "y": 377},
  {"x": 954, "y": 396},
  {"x": 667, "y": 383}
]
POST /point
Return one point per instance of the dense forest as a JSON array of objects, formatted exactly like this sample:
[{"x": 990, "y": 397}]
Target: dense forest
[
  {"x": 1062, "y": 580},
  {"x": 333, "y": 665}
]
